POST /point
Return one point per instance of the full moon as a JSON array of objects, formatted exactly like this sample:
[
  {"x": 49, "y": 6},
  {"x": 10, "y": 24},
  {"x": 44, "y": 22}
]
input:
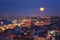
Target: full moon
[{"x": 42, "y": 9}]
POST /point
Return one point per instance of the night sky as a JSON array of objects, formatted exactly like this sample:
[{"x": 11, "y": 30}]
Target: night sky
[{"x": 30, "y": 7}]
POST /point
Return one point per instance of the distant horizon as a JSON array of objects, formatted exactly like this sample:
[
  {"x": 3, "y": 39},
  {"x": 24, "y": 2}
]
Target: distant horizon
[{"x": 28, "y": 16}]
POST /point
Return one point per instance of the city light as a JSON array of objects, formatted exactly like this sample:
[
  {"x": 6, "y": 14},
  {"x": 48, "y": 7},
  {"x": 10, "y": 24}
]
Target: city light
[
  {"x": 28, "y": 27},
  {"x": 1, "y": 22}
]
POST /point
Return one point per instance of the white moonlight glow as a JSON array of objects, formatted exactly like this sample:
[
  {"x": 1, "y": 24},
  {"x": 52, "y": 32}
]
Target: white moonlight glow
[{"x": 42, "y": 9}]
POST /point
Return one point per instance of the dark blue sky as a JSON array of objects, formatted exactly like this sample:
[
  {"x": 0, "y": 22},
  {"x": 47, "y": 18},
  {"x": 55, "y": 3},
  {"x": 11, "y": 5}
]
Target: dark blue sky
[{"x": 30, "y": 7}]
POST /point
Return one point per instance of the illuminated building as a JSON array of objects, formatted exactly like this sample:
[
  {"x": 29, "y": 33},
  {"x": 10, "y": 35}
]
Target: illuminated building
[
  {"x": 14, "y": 21},
  {"x": 26, "y": 22}
]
